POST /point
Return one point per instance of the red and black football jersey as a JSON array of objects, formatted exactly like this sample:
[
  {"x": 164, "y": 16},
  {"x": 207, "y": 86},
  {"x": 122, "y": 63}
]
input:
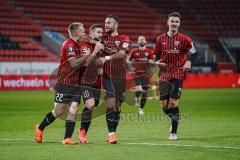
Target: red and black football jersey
[
  {"x": 113, "y": 44},
  {"x": 140, "y": 60},
  {"x": 67, "y": 74},
  {"x": 173, "y": 52},
  {"x": 92, "y": 73}
]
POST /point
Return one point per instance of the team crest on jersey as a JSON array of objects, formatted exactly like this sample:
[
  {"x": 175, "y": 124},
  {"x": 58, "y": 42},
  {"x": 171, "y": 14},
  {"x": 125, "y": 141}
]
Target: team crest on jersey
[
  {"x": 117, "y": 43},
  {"x": 146, "y": 54},
  {"x": 176, "y": 43},
  {"x": 70, "y": 50},
  {"x": 111, "y": 47},
  {"x": 137, "y": 54},
  {"x": 125, "y": 45}
]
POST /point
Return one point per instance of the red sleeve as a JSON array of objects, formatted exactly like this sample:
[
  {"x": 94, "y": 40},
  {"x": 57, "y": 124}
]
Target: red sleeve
[
  {"x": 69, "y": 49},
  {"x": 188, "y": 45},
  {"x": 157, "y": 49}
]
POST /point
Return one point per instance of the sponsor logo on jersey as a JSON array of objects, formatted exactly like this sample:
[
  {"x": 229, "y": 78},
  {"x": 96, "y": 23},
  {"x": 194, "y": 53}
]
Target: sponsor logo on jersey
[
  {"x": 111, "y": 48},
  {"x": 172, "y": 51},
  {"x": 125, "y": 45},
  {"x": 176, "y": 43}
]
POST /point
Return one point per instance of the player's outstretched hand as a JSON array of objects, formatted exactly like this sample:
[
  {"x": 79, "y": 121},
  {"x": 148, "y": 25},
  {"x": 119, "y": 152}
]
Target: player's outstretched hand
[{"x": 187, "y": 66}]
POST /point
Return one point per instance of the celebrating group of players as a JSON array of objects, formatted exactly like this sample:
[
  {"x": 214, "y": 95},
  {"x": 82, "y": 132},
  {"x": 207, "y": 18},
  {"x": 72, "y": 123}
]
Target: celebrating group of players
[{"x": 89, "y": 61}]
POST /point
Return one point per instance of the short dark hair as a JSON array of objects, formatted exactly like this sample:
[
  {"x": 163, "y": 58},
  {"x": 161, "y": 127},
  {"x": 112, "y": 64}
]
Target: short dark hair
[
  {"x": 94, "y": 26},
  {"x": 174, "y": 14},
  {"x": 116, "y": 18}
]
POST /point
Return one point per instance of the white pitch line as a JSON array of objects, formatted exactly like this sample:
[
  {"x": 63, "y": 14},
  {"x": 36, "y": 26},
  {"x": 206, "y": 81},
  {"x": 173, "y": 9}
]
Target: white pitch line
[
  {"x": 184, "y": 145},
  {"x": 146, "y": 144},
  {"x": 19, "y": 139}
]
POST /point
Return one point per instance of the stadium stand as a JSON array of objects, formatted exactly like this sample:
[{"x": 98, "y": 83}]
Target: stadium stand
[
  {"x": 23, "y": 21},
  {"x": 18, "y": 37},
  {"x": 205, "y": 20},
  {"x": 56, "y": 15}
]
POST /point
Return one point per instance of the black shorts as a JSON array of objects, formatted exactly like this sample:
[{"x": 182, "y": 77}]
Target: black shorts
[
  {"x": 66, "y": 98},
  {"x": 90, "y": 91},
  {"x": 115, "y": 88},
  {"x": 170, "y": 89},
  {"x": 142, "y": 81}
]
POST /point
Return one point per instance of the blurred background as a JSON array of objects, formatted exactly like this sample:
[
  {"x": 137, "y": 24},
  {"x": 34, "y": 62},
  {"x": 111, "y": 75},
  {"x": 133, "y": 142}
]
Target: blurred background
[{"x": 31, "y": 33}]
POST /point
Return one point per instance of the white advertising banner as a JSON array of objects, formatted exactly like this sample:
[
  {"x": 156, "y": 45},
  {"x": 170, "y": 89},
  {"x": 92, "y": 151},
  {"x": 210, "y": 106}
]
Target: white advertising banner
[{"x": 27, "y": 68}]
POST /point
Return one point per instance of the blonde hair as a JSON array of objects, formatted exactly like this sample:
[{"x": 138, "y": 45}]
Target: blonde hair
[{"x": 73, "y": 27}]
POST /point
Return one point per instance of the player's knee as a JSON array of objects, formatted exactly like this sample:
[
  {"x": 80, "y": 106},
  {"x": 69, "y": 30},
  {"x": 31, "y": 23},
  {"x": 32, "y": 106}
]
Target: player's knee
[
  {"x": 90, "y": 103},
  {"x": 164, "y": 104},
  {"x": 173, "y": 102},
  {"x": 111, "y": 102},
  {"x": 138, "y": 88},
  {"x": 58, "y": 110},
  {"x": 74, "y": 108},
  {"x": 118, "y": 107}
]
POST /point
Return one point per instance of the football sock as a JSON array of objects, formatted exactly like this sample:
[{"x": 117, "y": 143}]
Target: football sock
[
  {"x": 143, "y": 102},
  {"x": 138, "y": 93},
  {"x": 96, "y": 102},
  {"x": 166, "y": 111},
  {"x": 116, "y": 119},
  {"x": 175, "y": 119},
  {"x": 70, "y": 125},
  {"x": 110, "y": 119},
  {"x": 86, "y": 118},
  {"x": 48, "y": 119}
]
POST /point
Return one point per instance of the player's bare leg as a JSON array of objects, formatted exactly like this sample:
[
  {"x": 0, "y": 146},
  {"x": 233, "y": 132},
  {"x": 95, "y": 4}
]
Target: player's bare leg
[
  {"x": 86, "y": 120},
  {"x": 164, "y": 105},
  {"x": 70, "y": 123},
  {"x": 58, "y": 110}
]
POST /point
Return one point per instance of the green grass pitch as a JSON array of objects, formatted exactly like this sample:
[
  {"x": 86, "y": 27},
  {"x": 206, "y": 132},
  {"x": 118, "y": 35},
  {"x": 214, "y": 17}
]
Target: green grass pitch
[{"x": 209, "y": 130}]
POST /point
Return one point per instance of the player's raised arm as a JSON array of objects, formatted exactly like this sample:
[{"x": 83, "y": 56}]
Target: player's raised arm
[
  {"x": 77, "y": 61},
  {"x": 123, "y": 50},
  {"x": 96, "y": 34},
  {"x": 92, "y": 55}
]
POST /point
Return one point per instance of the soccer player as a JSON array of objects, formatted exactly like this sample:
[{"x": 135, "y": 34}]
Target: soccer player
[
  {"x": 174, "y": 52},
  {"x": 91, "y": 82},
  {"x": 67, "y": 79},
  {"x": 141, "y": 59},
  {"x": 114, "y": 77}
]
